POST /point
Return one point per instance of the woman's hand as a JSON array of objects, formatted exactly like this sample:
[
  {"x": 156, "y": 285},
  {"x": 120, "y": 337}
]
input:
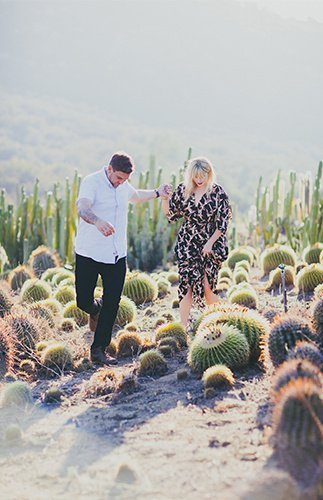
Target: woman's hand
[{"x": 207, "y": 248}]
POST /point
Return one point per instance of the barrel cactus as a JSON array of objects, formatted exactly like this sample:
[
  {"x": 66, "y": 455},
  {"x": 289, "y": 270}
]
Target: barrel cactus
[
  {"x": 67, "y": 325},
  {"x": 225, "y": 272},
  {"x": 291, "y": 370},
  {"x": 152, "y": 363},
  {"x": 7, "y": 350},
  {"x": 273, "y": 256},
  {"x": 284, "y": 332},
  {"x": 297, "y": 431},
  {"x": 310, "y": 277},
  {"x": 17, "y": 393},
  {"x": 244, "y": 296},
  {"x": 218, "y": 377},
  {"x": 6, "y": 302},
  {"x": 62, "y": 275},
  {"x": 18, "y": 276},
  {"x": 275, "y": 278},
  {"x": 163, "y": 287},
  {"x": 240, "y": 275},
  {"x": 239, "y": 254},
  {"x": 57, "y": 356},
  {"x": 173, "y": 277},
  {"x": 172, "y": 329},
  {"x": 41, "y": 259},
  {"x": 129, "y": 344},
  {"x": 311, "y": 254},
  {"x": 218, "y": 344},
  {"x": 172, "y": 342},
  {"x": 140, "y": 288},
  {"x": 308, "y": 351},
  {"x": 72, "y": 311},
  {"x": 50, "y": 273},
  {"x": 53, "y": 305},
  {"x": 64, "y": 294},
  {"x": 24, "y": 330},
  {"x": 126, "y": 312},
  {"x": 34, "y": 290},
  {"x": 38, "y": 310}
]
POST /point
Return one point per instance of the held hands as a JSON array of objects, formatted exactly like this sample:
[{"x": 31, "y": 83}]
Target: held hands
[
  {"x": 104, "y": 227},
  {"x": 165, "y": 190}
]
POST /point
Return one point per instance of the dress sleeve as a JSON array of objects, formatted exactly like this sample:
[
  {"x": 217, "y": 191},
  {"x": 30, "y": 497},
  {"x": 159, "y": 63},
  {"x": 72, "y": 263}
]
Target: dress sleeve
[
  {"x": 224, "y": 211},
  {"x": 176, "y": 205}
]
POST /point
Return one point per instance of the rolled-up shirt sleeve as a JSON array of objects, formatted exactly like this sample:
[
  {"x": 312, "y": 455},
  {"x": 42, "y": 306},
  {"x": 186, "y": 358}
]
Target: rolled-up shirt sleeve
[
  {"x": 176, "y": 205},
  {"x": 224, "y": 211}
]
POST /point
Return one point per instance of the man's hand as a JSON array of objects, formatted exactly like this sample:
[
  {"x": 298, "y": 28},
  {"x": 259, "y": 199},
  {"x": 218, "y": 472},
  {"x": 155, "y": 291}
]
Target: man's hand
[
  {"x": 165, "y": 190},
  {"x": 207, "y": 248},
  {"x": 104, "y": 227}
]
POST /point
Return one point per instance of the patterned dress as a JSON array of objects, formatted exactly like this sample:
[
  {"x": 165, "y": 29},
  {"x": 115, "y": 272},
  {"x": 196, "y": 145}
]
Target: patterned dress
[{"x": 212, "y": 212}]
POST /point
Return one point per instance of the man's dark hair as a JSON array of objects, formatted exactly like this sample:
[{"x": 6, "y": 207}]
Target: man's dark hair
[{"x": 122, "y": 162}]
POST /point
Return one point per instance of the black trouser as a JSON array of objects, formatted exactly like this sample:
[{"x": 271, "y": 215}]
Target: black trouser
[{"x": 113, "y": 275}]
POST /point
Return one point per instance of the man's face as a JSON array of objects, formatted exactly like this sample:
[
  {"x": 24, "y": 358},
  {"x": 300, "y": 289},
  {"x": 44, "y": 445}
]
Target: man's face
[{"x": 116, "y": 177}]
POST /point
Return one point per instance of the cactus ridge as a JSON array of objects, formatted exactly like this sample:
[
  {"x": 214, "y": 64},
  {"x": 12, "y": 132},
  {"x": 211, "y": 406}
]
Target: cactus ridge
[
  {"x": 272, "y": 257},
  {"x": 218, "y": 344},
  {"x": 310, "y": 277},
  {"x": 34, "y": 290},
  {"x": 285, "y": 331},
  {"x": 140, "y": 288},
  {"x": 311, "y": 254}
]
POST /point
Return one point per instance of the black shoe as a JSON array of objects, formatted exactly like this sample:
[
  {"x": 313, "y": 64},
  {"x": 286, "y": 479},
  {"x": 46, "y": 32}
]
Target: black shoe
[{"x": 98, "y": 355}]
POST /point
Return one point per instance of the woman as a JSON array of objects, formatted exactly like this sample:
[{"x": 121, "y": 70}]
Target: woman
[{"x": 201, "y": 245}]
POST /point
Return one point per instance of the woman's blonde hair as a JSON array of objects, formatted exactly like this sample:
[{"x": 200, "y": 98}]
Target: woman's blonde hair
[{"x": 200, "y": 167}]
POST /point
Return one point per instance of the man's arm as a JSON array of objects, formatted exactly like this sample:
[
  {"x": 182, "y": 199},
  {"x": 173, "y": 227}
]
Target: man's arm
[
  {"x": 141, "y": 195},
  {"x": 85, "y": 211}
]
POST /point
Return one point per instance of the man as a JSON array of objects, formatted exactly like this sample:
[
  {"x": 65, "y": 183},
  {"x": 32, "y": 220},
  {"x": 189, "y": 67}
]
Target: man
[{"x": 101, "y": 244}]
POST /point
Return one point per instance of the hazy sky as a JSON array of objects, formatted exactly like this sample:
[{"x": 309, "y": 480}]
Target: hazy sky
[{"x": 300, "y": 10}]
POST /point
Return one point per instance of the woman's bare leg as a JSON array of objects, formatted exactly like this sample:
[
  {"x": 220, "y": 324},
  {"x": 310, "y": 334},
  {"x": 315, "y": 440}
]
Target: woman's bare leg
[
  {"x": 185, "y": 307},
  {"x": 210, "y": 297}
]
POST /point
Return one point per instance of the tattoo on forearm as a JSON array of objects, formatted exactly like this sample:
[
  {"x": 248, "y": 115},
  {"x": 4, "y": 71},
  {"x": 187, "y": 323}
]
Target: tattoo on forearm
[{"x": 87, "y": 215}]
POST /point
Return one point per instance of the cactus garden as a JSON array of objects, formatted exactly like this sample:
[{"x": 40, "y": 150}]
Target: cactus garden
[{"x": 233, "y": 404}]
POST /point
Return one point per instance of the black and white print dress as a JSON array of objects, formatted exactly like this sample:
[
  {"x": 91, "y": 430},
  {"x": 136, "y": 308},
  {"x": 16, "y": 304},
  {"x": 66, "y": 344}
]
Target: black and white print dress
[{"x": 212, "y": 212}]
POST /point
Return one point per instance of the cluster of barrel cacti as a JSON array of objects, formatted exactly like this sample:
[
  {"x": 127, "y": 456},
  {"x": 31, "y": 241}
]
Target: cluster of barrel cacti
[
  {"x": 32, "y": 223},
  {"x": 294, "y": 345}
]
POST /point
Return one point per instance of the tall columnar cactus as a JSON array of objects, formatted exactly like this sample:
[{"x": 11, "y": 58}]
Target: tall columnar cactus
[
  {"x": 140, "y": 288},
  {"x": 311, "y": 254},
  {"x": 218, "y": 344},
  {"x": 310, "y": 277},
  {"x": 298, "y": 431},
  {"x": 284, "y": 332},
  {"x": 273, "y": 256}
]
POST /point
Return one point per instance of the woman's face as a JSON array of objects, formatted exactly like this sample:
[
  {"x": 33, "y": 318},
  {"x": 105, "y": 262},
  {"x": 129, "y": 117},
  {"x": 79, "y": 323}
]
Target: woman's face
[{"x": 200, "y": 179}]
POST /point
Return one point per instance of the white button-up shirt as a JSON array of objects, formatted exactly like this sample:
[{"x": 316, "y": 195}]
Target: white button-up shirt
[{"x": 111, "y": 205}]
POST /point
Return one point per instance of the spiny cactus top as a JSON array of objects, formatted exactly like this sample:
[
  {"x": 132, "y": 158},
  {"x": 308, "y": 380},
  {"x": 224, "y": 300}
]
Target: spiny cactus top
[
  {"x": 34, "y": 290},
  {"x": 218, "y": 344},
  {"x": 311, "y": 254},
  {"x": 310, "y": 277},
  {"x": 126, "y": 312},
  {"x": 238, "y": 254},
  {"x": 41, "y": 259},
  {"x": 273, "y": 256},
  {"x": 140, "y": 288}
]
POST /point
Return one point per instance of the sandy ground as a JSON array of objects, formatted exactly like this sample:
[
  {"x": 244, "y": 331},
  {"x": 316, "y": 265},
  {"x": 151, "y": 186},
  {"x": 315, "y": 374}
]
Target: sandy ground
[{"x": 165, "y": 440}]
